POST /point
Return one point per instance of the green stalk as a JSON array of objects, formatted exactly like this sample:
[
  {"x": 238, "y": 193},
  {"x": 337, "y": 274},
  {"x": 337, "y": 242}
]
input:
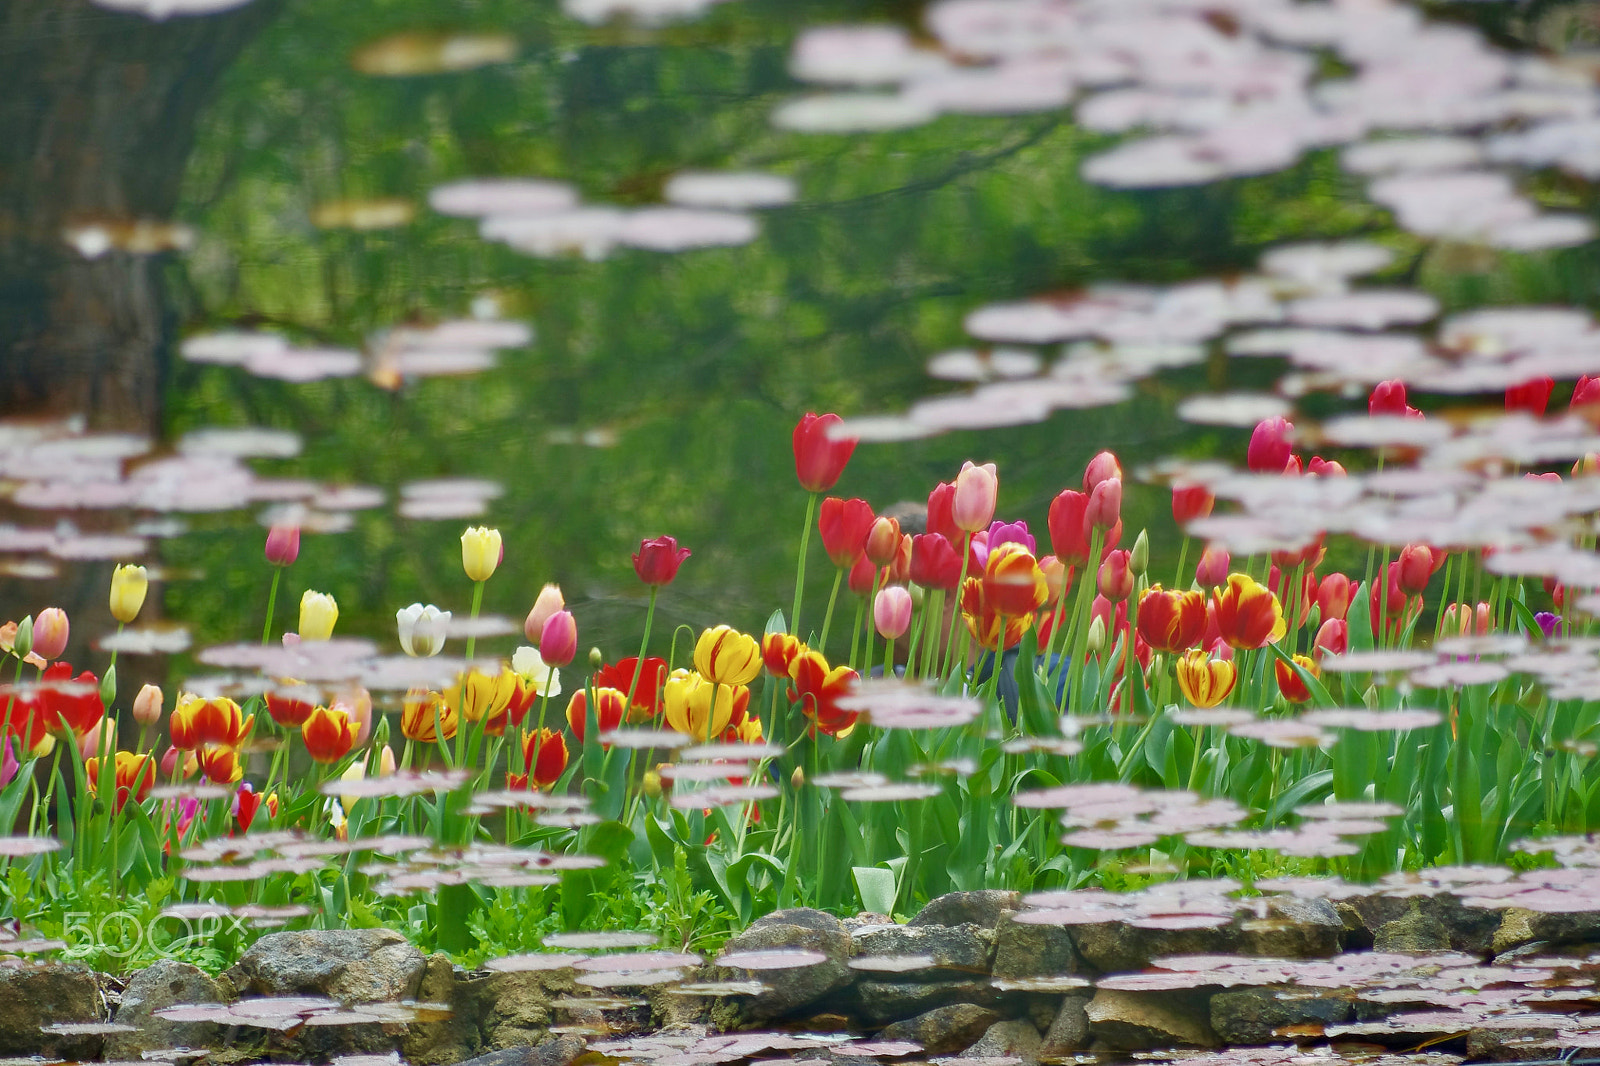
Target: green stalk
[
  {"x": 1183, "y": 556},
  {"x": 800, "y": 567},
  {"x": 644, "y": 642},
  {"x": 272, "y": 604},
  {"x": 930, "y": 649},
  {"x": 477, "y": 603},
  {"x": 827, "y": 619},
  {"x": 950, "y": 636},
  {"x": 871, "y": 608},
  {"x": 855, "y": 634},
  {"x": 1080, "y": 621}
]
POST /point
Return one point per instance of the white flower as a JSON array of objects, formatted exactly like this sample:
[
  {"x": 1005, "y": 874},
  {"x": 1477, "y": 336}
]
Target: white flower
[
  {"x": 422, "y": 629},
  {"x": 530, "y": 665}
]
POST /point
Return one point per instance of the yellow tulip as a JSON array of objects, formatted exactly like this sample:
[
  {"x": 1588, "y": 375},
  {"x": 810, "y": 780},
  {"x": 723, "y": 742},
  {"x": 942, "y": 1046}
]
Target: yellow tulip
[
  {"x": 318, "y": 612},
  {"x": 477, "y": 695},
  {"x": 1205, "y": 681},
  {"x": 701, "y": 708},
  {"x": 727, "y": 656},
  {"x": 480, "y": 552},
  {"x": 128, "y": 586},
  {"x": 417, "y": 717}
]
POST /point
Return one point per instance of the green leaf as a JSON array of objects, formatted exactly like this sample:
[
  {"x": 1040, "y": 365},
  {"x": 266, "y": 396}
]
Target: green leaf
[{"x": 877, "y": 888}]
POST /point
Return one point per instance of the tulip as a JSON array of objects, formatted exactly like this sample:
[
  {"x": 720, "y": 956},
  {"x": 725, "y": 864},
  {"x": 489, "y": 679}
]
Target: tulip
[
  {"x": 129, "y": 584},
  {"x": 1069, "y": 527},
  {"x": 558, "y": 641},
  {"x": 1334, "y": 594},
  {"x": 883, "y": 540},
  {"x": 1095, "y": 640},
  {"x": 356, "y": 702},
  {"x": 92, "y": 740},
  {"x": 972, "y": 505},
  {"x": 1586, "y": 393},
  {"x": 818, "y": 689},
  {"x": 899, "y": 568},
  {"x": 862, "y": 577},
  {"x": 1333, "y": 638},
  {"x": 657, "y": 560},
  {"x": 283, "y": 545},
  {"x": 1414, "y": 568},
  {"x": 8, "y": 765},
  {"x": 245, "y": 804},
  {"x": 292, "y": 704},
  {"x": 221, "y": 765},
  {"x": 50, "y": 631},
  {"x": 134, "y": 774},
  {"x": 1248, "y": 615},
  {"x": 386, "y": 763},
  {"x": 726, "y": 656},
  {"x": 1588, "y": 466},
  {"x": 426, "y": 716},
  {"x": 844, "y": 525},
  {"x": 1205, "y": 681},
  {"x": 991, "y": 628},
  {"x": 547, "y": 604},
  {"x": 147, "y": 706},
  {"x": 610, "y": 706},
  {"x": 1115, "y": 579},
  {"x": 1270, "y": 448},
  {"x": 1057, "y": 576},
  {"x": 523, "y": 693},
  {"x": 779, "y": 651},
  {"x": 1010, "y": 533},
  {"x": 481, "y": 551},
  {"x": 1013, "y": 584},
  {"x": 819, "y": 458},
  {"x": 1139, "y": 554},
  {"x": 477, "y": 695},
  {"x": 1290, "y": 683},
  {"x": 1530, "y": 396},
  {"x": 891, "y": 612},
  {"x": 698, "y": 707},
  {"x": 1102, "y": 467},
  {"x": 935, "y": 563},
  {"x": 318, "y": 612},
  {"x": 1171, "y": 621},
  {"x": 196, "y": 722},
  {"x": 1389, "y": 398},
  {"x": 329, "y": 734},
  {"x": 539, "y": 675},
  {"x": 544, "y": 753},
  {"x": 1190, "y": 502},
  {"x": 422, "y": 629},
  {"x": 169, "y": 762},
  {"x": 1388, "y": 598},
  {"x": 940, "y": 519},
  {"x": 1104, "y": 509}
]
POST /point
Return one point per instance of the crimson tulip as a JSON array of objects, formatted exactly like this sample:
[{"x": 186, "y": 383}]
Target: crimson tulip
[
  {"x": 844, "y": 525},
  {"x": 1530, "y": 396},
  {"x": 935, "y": 563},
  {"x": 818, "y": 458},
  {"x": 657, "y": 560},
  {"x": 1389, "y": 398},
  {"x": 940, "y": 518},
  {"x": 1190, "y": 502},
  {"x": 1171, "y": 621},
  {"x": 1270, "y": 446},
  {"x": 1414, "y": 568}
]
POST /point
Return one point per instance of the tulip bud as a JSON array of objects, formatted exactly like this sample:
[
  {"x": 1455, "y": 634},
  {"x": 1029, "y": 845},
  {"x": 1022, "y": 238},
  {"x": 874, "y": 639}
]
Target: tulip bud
[
  {"x": 596, "y": 660},
  {"x": 1333, "y": 637},
  {"x": 558, "y": 641},
  {"x": 548, "y": 603},
  {"x": 46, "y": 745},
  {"x": 1101, "y": 468},
  {"x": 1095, "y": 639},
  {"x": 1057, "y": 576},
  {"x": 798, "y": 778},
  {"x": 1586, "y": 393},
  {"x": 128, "y": 587},
  {"x": 1334, "y": 594},
  {"x": 1139, "y": 556},
  {"x": 1190, "y": 502},
  {"x": 972, "y": 505},
  {"x": 1271, "y": 446},
  {"x": 386, "y": 765},
  {"x": 1482, "y": 618},
  {"x": 1115, "y": 579},
  {"x": 50, "y": 631},
  {"x": 1415, "y": 568},
  {"x": 108, "y": 686},
  {"x": 169, "y": 762},
  {"x": 892, "y": 611},
  {"x": 652, "y": 784},
  {"x": 22, "y": 642},
  {"x": 318, "y": 613},
  {"x": 283, "y": 545},
  {"x": 147, "y": 705},
  {"x": 481, "y": 551},
  {"x": 1105, "y": 504},
  {"x": 883, "y": 540},
  {"x": 1212, "y": 570}
]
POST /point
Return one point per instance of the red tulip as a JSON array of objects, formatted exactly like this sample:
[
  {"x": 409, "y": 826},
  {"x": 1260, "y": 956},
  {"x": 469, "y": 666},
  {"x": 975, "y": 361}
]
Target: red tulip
[
  {"x": 1290, "y": 683},
  {"x": 1270, "y": 446},
  {"x": 1334, "y": 594},
  {"x": 1333, "y": 638},
  {"x": 1101, "y": 467},
  {"x": 609, "y": 710},
  {"x": 1212, "y": 569},
  {"x": 1171, "y": 621},
  {"x": 1531, "y": 396},
  {"x": 1414, "y": 568},
  {"x": 1389, "y": 398},
  {"x": 1190, "y": 502},
  {"x": 1105, "y": 504},
  {"x": 935, "y": 563},
  {"x": 657, "y": 560},
  {"x": 1069, "y": 527},
  {"x": 1586, "y": 392},
  {"x": 940, "y": 518},
  {"x": 1115, "y": 579},
  {"x": 844, "y": 525},
  {"x": 861, "y": 577},
  {"x": 818, "y": 459},
  {"x": 646, "y": 691}
]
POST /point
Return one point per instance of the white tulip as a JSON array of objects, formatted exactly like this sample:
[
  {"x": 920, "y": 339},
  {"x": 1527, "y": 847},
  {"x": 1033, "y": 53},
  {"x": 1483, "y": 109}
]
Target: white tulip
[
  {"x": 422, "y": 629},
  {"x": 531, "y": 667}
]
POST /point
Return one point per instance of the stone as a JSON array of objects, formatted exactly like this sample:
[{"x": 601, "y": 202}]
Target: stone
[
  {"x": 960, "y": 948},
  {"x": 943, "y": 1029},
  {"x": 513, "y": 1009},
  {"x": 1293, "y": 928},
  {"x": 1470, "y": 929},
  {"x": 1139, "y": 1021},
  {"x": 1070, "y": 1030},
  {"x": 984, "y": 907},
  {"x": 885, "y": 1001},
  {"x": 1519, "y": 926},
  {"x": 1290, "y": 928},
  {"x": 1416, "y": 931},
  {"x": 40, "y": 995},
  {"x": 556, "y": 1051},
  {"x": 796, "y": 987},
  {"x": 447, "y": 1040},
  {"x": 1252, "y": 1015},
  {"x": 350, "y": 965},
  {"x": 866, "y": 920},
  {"x": 1016, "y": 1039},
  {"x": 1025, "y": 950},
  {"x": 160, "y": 985},
  {"x": 1117, "y": 947}
]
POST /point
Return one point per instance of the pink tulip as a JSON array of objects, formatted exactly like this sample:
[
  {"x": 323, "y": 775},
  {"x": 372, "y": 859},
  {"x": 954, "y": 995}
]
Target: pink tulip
[
  {"x": 558, "y": 640},
  {"x": 50, "y": 630},
  {"x": 283, "y": 545},
  {"x": 1105, "y": 504},
  {"x": 1212, "y": 570},
  {"x": 147, "y": 705},
  {"x": 972, "y": 506},
  {"x": 892, "y": 611},
  {"x": 1100, "y": 468},
  {"x": 548, "y": 603}
]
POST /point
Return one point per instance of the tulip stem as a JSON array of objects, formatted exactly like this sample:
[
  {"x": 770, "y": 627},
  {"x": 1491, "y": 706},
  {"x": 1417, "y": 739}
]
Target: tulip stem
[
  {"x": 855, "y": 634},
  {"x": 1080, "y": 620},
  {"x": 872, "y": 619},
  {"x": 272, "y": 605},
  {"x": 1183, "y": 557},
  {"x": 888, "y": 660},
  {"x": 827, "y": 619},
  {"x": 477, "y": 602},
  {"x": 800, "y": 567},
  {"x": 950, "y": 636},
  {"x": 644, "y": 643}
]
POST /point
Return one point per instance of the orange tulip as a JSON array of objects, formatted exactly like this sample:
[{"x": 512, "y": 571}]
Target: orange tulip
[
  {"x": 329, "y": 734},
  {"x": 545, "y": 755},
  {"x": 196, "y": 722},
  {"x": 134, "y": 774},
  {"x": 1248, "y": 614},
  {"x": 779, "y": 651},
  {"x": 817, "y": 688},
  {"x": 1171, "y": 620},
  {"x": 1012, "y": 581},
  {"x": 1289, "y": 681},
  {"x": 988, "y": 627},
  {"x": 609, "y": 706},
  {"x": 418, "y": 713},
  {"x": 1204, "y": 681},
  {"x": 291, "y": 705},
  {"x": 221, "y": 764}
]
